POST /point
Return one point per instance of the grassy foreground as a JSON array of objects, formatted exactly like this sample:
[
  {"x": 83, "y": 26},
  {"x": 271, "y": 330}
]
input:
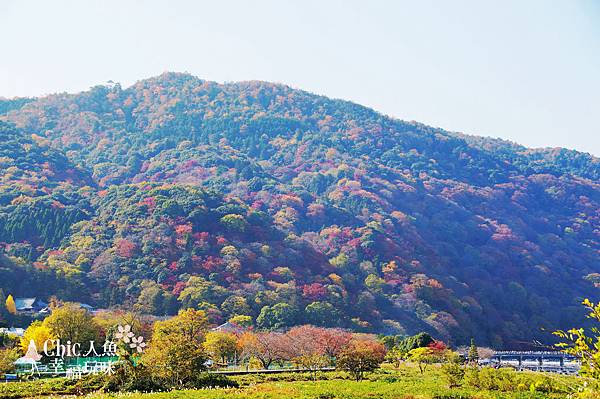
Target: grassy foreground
[{"x": 404, "y": 383}]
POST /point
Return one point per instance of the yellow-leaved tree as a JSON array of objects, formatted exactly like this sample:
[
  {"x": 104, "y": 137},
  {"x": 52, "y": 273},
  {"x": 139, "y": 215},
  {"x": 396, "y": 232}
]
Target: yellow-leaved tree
[
  {"x": 10, "y": 305},
  {"x": 176, "y": 355},
  {"x": 584, "y": 345},
  {"x": 70, "y": 322},
  {"x": 39, "y": 333},
  {"x": 220, "y": 346}
]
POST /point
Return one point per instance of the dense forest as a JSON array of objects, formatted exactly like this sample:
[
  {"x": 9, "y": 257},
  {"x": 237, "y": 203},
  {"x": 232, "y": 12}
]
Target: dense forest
[{"x": 258, "y": 199}]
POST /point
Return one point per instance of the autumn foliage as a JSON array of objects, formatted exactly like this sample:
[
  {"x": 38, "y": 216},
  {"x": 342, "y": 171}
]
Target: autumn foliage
[{"x": 178, "y": 192}]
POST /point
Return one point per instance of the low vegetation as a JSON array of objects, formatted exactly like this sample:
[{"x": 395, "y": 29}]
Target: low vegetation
[
  {"x": 183, "y": 350},
  {"x": 388, "y": 383},
  {"x": 175, "y": 363}
]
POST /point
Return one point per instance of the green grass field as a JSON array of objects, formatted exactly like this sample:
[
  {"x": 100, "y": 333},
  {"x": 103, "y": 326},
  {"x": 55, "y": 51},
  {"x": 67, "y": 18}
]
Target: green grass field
[{"x": 404, "y": 383}]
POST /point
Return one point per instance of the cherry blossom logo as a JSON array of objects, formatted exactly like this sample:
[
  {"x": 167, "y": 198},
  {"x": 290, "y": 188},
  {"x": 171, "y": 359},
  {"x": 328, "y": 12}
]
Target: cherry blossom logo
[
  {"x": 137, "y": 344},
  {"x": 125, "y": 335}
]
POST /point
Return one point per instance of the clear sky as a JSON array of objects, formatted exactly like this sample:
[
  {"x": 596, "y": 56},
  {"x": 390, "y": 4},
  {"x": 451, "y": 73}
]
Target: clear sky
[{"x": 524, "y": 70}]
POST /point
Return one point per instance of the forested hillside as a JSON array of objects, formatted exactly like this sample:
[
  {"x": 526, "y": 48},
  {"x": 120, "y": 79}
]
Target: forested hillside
[{"x": 257, "y": 199}]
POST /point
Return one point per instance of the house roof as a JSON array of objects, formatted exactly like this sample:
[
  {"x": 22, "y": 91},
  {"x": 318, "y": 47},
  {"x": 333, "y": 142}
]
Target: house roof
[
  {"x": 229, "y": 328},
  {"x": 24, "y": 303},
  {"x": 29, "y": 303},
  {"x": 86, "y": 306}
]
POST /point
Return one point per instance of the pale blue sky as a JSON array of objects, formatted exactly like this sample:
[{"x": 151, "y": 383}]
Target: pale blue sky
[{"x": 526, "y": 70}]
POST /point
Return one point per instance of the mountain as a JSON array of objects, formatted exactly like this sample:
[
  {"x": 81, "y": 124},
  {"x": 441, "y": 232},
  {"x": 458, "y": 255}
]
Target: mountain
[
  {"x": 256, "y": 198},
  {"x": 38, "y": 202}
]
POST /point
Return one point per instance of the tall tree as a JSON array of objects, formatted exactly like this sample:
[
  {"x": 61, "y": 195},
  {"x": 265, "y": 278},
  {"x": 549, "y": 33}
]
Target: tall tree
[
  {"x": 176, "y": 354},
  {"x": 584, "y": 345},
  {"x": 220, "y": 346},
  {"x": 10, "y": 305},
  {"x": 72, "y": 323},
  {"x": 267, "y": 347},
  {"x": 473, "y": 355},
  {"x": 3, "y": 310},
  {"x": 39, "y": 333},
  {"x": 277, "y": 316},
  {"x": 360, "y": 357},
  {"x": 190, "y": 323}
]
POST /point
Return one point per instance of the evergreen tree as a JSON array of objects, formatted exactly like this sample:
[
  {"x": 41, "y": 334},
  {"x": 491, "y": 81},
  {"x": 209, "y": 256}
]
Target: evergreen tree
[
  {"x": 3, "y": 311},
  {"x": 2, "y": 302},
  {"x": 473, "y": 355},
  {"x": 419, "y": 340}
]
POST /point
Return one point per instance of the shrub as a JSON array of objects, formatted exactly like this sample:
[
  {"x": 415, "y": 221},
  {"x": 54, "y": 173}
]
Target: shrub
[
  {"x": 454, "y": 374},
  {"x": 501, "y": 379},
  {"x": 509, "y": 380},
  {"x": 453, "y": 370},
  {"x": 471, "y": 377},
  {"x": 129, "y": 378},
  {"x": 206, "y": 380},
  {"x": 7, "y": 360},
  {"x": 89, "y": 383},
  {"x": 326, "y": 395}
]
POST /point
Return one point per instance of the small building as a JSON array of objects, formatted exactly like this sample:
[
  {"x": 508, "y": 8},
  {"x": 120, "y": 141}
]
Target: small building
[
  {"x": 230, "y": 327},
  {"x": 15, "y": 331},
  {"x": 87, "y": 307},
  {"x": 29, "y": 305},
  {"x": 45, "y": 312}
]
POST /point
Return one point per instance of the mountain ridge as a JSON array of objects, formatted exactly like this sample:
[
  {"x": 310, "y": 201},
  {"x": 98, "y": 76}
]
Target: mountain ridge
[
  {"x": 259, "y": 195},
  {"x": 16, "y": 103}
]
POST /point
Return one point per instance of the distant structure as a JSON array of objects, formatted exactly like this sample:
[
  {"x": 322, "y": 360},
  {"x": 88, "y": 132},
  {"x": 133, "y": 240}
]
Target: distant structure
[
  {"x": 229, "y": 327},
  {"x": 35, "y": 306},
  {"x": 29, "y": 305},
  {"x": 87, "y": 307},
  {"x": 16, "y": 331},
  {"x": 554, "y": 362}
]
